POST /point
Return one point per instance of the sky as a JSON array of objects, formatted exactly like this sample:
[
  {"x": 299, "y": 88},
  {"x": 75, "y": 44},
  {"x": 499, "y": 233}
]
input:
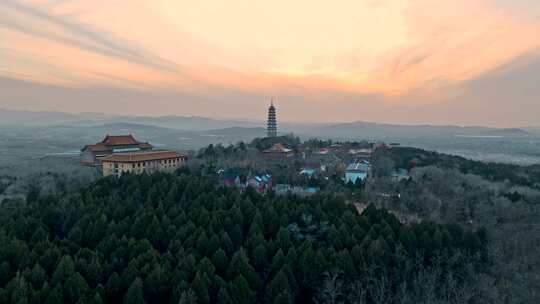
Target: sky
[{"x": 399, "y": 61}]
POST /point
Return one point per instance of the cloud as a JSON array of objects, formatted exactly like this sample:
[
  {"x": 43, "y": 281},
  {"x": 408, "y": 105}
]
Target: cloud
[
  {"x": 39, "y": 23},
  {"x": 407, "y": 52},
  {"x": 507, "y": 97},
  {"x": 99, "y": 39},
  {"x": 450, "y": 42}
]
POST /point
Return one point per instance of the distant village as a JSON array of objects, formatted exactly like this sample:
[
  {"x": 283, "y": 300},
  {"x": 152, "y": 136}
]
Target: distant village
[
  {"x": 352, "y": 163},
  {"x": 311, "y": 160}
]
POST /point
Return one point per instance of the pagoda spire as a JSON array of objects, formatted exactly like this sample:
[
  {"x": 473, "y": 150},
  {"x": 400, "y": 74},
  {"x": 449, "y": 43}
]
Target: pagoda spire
[{"x": 271, "y": 125}]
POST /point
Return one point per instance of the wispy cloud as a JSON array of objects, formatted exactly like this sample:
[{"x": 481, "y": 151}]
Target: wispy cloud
[
  {"x": 38, "y": 22},
  {"x": 385, "y": 47}
]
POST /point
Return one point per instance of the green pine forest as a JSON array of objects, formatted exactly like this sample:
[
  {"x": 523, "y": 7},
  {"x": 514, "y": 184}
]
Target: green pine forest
[{"x": 177, "y": 238}]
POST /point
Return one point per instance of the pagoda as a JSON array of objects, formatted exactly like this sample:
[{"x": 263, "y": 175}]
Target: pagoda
[{"x": 271, "y": 126}]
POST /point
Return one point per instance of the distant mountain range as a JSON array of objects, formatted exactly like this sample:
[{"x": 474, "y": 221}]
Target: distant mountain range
[
  {"x": 35, "y": 118},
  {"x": 244, "y": 128},
  {"x": 381, "y": 131},
  {"x": 36, "y": 133}
]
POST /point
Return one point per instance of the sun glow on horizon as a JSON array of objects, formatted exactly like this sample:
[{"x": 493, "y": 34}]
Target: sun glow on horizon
[{"x": 358, "y": 47}]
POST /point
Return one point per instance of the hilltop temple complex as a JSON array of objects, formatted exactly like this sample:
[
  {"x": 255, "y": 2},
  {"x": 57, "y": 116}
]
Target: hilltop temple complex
[{"x": 121, "y": 154}]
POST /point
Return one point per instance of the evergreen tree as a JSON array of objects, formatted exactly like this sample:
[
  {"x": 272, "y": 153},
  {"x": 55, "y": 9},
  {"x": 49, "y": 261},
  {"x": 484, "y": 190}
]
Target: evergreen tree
[
  {"x": 156, "y": 284},
  {"x": 95, "y": 299},
  {"x": 220, "y": 261},
  {"x": 38, "y": 276},
  {"x": 134, "y": 293},
  {"x": 260, "y": 260},
  {"x": 19, "y": 289},
  {"x": 278, "y": 261},
  {"x": 64, "y": 270},
  {"x": 223, "y": 296},
  {"x": 113, "y": 288},
  {"x": 56, "y": 296},
  {"x": 278, "y": 284},
  {"x": 241, "y": 293},
  {"x": 94, "y": 272},
  {"x": 226, "y": 242},
  {"x": 200, "y": 286},
  {"x": 4, "y": 273},
  {"x": 240, "y": 266},
  {"x": 188, "y": 297},
  {"x": 236, "y": 236},
  {"x": 283, "y": 298},
  {"x": 75, "y": 288}
]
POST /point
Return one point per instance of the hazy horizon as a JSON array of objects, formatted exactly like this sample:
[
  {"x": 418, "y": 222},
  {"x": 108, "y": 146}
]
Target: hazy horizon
[
  {"x": 408, "y": 62},
  {"x": 261, "y": 121}
]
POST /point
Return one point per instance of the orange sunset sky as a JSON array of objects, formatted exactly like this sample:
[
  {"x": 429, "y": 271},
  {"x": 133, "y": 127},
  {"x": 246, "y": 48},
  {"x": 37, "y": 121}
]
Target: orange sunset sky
[{"x": 401, "y": 61}]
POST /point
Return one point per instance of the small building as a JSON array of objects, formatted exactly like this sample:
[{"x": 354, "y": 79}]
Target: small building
[
  {"x": 357, "y": 171},
  {"x": 278, "y": 151},
  {"x": 312, "y": 169},
  {"x": 261, "y": 183},
  {"x": 284, "y": 189},
  {"x": 91, "y": 155},
  {"x": 229, "y": 178},
  {"x": 361, "y": 153},
  {"x": 307, "y": 171},
  {"x": 233, "y": 179},
  {"x": 323, "y": 151},
  {"x": 399, "y": 174},
  {"x": 382, "y": 146},
  {"x": 142, "y": 162}
]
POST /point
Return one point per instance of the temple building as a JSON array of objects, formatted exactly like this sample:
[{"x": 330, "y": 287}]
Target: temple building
[
  {"x": 271, "y": 126},
  {"x": 117, "y": 164},
  {"x": 91, "y": 155},
  {"x": 278, "y": 152}
]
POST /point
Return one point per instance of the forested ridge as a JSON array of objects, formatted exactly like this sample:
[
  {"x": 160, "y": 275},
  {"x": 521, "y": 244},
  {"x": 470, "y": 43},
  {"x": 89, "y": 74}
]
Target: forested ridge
[
  {"x": 176, "y": 238},
  {"x": 409, "y": 157}
]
